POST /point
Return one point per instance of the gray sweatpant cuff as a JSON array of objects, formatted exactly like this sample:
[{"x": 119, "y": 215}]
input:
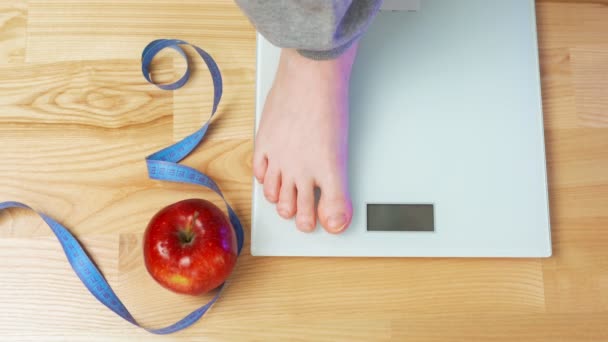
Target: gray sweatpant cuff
[{"x": 329, "y": 54}]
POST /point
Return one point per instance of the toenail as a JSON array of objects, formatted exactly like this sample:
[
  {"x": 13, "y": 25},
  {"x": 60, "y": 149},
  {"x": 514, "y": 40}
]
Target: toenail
[
  {"x": 336, "y": 222},
  {"x": 306, "y": 226},
  {"x": 284, "y": 212}
]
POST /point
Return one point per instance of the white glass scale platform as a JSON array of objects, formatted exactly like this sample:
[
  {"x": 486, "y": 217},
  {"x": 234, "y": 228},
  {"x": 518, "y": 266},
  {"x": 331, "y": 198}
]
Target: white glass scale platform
[{"x": 447, "y": 154}]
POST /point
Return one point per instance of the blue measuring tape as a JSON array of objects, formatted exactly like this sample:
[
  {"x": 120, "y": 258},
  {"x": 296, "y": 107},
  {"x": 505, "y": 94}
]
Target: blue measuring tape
[{"x": 162, "y": 165}]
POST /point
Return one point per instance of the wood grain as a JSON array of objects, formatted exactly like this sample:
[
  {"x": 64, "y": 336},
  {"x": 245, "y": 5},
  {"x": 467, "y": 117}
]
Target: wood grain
[
  {"x": 77, "y": 120},
  {"x": 13, "y": 25},
  {"x": 590, "y": 75}
]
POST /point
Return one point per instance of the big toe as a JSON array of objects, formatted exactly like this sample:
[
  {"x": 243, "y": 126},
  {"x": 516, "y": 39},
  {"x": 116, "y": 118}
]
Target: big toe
[{"x": 335, "y": 209}]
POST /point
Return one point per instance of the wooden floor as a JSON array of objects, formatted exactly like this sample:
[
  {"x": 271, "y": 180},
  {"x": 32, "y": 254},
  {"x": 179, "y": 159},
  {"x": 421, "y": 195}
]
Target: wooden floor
[{"x": 77, "y": 120}]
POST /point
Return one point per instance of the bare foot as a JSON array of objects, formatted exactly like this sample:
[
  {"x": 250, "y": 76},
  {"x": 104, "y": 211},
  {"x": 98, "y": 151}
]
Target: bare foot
[{"x": 302, "y": 141}]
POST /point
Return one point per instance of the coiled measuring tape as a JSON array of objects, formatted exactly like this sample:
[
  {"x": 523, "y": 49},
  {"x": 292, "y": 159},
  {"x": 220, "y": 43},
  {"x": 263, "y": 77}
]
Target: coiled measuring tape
[{"x": 162, "y": 165}]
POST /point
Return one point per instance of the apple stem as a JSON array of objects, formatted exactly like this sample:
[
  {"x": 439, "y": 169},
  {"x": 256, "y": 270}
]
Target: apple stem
[
  {"x": 191, "y": 221},
  {"x": 186, "y": 235}
]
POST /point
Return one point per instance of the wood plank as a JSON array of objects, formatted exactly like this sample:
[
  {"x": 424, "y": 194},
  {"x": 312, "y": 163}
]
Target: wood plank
[
  {"x": 13, "y": 28},
  {"x": 253, "y": 297},
  {"x": 193, "y": 103},
  {"x": 61, "y": 30},
  {"x": 105, "y": 95},
  {"x": 559, "y": 107},
  {"x": 577, "y": 161},
  {"x": 590, "y": 76},
  {"x": 499, "y": 327},
  {"x": 36, "y": 269},
  {"x": 570, "y": 24}
]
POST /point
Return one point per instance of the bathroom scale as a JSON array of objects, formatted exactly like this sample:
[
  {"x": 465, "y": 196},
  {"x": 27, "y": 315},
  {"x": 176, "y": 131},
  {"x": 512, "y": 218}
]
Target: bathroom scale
[{"x": 446, "y": 138}]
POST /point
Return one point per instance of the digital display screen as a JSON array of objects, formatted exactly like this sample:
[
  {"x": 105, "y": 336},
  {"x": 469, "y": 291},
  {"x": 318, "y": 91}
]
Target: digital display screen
[{"x": 400, "y": 217}]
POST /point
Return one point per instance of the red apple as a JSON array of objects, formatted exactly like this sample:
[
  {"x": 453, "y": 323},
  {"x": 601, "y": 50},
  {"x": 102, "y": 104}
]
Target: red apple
[{"x": 190, "y": 247}]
